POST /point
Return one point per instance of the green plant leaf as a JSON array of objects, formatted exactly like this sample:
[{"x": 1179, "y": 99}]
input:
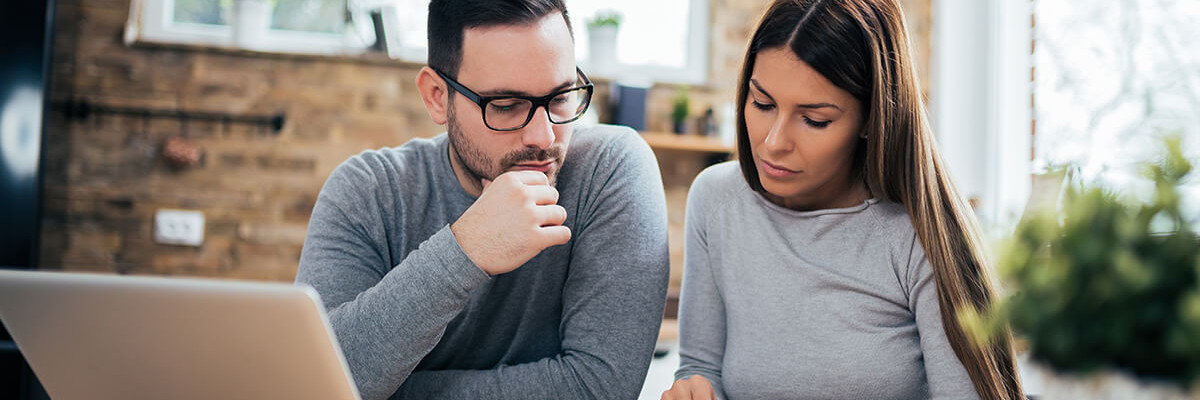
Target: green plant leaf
[{"x": 1096, "y": 286}]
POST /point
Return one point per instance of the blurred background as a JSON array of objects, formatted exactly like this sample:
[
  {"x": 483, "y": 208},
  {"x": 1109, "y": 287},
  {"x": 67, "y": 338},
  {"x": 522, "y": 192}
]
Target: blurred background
[{"x": 191, "y": 137}]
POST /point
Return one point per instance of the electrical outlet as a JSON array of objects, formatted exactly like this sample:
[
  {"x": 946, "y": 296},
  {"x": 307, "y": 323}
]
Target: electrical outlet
[{"x": 179, "y": 227}]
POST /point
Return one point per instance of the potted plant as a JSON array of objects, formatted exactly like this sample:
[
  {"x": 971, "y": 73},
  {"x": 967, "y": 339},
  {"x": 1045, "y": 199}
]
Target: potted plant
[
  {"x": 602, "y": 41},
  {"x": 251, "y": 22},
  {"x": 1109, "y": 306},
  {"x": 680, "y": 107}
]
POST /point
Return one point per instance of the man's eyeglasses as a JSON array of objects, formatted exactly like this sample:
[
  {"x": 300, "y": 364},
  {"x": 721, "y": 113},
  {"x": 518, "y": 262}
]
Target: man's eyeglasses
[{"x": 510, "y": 113}]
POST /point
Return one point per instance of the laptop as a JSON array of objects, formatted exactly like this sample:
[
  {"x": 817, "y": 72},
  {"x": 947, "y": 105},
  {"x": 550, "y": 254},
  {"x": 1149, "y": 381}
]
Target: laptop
[{"x": 90, "y": 336}]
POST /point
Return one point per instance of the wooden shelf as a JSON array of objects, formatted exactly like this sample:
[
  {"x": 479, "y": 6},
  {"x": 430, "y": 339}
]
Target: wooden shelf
[
  {"x": 671, "y": 141},
  {"x": 669, "y": 331}
]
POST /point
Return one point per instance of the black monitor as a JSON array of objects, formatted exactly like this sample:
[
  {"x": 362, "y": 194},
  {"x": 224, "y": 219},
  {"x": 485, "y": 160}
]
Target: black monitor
[
  {"x": 24, "y": 67},
  {"x": 26, "y": 27}
]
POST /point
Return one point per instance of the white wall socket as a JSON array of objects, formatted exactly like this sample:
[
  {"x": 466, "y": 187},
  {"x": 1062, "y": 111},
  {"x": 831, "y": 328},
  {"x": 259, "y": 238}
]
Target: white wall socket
[{"x": 181, "y": 227}]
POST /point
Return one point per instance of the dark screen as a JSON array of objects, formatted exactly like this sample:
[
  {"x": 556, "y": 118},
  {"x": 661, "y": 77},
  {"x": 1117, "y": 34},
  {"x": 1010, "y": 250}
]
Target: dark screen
[
  {"x": 23, "y": 69},
  {"x": 24, "y": 65}
]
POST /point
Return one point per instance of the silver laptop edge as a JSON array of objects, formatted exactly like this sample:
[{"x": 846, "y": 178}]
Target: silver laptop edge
[{"x": 79, "y": 330}]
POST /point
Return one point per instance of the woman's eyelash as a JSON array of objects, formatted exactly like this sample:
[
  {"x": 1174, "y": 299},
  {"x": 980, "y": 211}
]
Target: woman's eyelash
[
  {"x": 817, "y": 124},
  {"x": 811, "y": 122},
  {"x": 761, "y": 106}
]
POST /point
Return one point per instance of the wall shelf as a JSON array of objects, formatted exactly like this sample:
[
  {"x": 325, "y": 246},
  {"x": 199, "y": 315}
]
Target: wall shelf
[
  {"x": 83, "y": 109},
  {"x": 694, "y": 143}
]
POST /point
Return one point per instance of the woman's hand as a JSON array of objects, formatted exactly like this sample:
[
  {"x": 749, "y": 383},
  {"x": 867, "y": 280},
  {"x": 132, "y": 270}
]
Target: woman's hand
[{"x": 694, "y": 387}]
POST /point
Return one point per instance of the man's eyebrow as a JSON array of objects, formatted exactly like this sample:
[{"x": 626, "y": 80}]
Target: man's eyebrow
[
  {"x": 514, "y": 92},
  {"x": 807, "y": 106}
]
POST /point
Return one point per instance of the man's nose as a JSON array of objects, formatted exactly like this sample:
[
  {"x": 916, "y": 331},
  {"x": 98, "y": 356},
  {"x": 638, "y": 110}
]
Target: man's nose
[{"x": 539, "y": 133}]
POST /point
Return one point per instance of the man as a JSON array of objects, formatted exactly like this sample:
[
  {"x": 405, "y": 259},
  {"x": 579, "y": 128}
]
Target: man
[{"x": 483, "y": 263}]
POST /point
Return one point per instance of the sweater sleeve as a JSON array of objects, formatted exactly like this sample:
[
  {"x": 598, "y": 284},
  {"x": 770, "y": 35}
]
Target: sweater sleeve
[
  {"x": 701, "y": 309},
  {"x": 385, "y": 318},
  {"x": 947, "y": 377},
  {"x": 613, "y": 297}
]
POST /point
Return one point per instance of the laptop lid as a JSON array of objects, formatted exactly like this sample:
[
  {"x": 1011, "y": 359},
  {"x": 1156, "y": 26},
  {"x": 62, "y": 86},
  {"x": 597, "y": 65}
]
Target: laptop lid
[{"x": 90, "y": 336}]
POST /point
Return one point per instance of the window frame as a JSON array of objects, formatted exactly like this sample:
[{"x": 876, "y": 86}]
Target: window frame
[
  {"x": 694, "y": 72},
  {"x": 695, "y": 69},
  {"x": 152, "y": 21},
  {"x": 981, "y": 105}
]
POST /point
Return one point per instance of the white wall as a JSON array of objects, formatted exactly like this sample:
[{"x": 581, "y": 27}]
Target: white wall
[{"x": 980, "y": 103}]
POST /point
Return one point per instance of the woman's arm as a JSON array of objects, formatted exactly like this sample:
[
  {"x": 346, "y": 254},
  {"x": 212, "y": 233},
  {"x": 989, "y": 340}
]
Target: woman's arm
[
  {"x": 701, "y": 309},
  {"x": 947, "y": 377}
]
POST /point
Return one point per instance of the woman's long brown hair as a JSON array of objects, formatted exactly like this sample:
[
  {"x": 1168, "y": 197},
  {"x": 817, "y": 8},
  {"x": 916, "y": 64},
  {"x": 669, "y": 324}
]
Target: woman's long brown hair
[{"x": 862, "y": 47}]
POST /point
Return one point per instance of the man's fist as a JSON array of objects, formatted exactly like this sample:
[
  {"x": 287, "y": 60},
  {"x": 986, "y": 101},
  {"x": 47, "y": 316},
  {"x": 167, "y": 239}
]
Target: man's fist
[{"x": 514, "y": 219}]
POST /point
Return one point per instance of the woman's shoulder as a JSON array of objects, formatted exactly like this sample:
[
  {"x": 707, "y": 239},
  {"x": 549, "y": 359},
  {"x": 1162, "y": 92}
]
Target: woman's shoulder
[
  {"x": 891, "y": 215},
  {"x": 719, "y": 181},
  {"x": 895, "y": 225},
  {"x": 713, "y": 190},
  {"x": 893, "y": 221}
]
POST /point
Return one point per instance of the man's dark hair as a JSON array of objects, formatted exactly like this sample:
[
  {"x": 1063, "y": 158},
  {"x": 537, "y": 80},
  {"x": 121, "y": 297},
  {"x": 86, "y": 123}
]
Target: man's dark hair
[{"x": 448, "y": 19}]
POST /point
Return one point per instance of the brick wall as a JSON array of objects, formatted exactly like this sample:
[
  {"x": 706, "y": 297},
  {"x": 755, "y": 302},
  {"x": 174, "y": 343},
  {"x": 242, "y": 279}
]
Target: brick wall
[{"x": 106, "y": 177}]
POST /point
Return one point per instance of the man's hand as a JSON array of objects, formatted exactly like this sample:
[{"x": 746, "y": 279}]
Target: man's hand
[
  {"x": 514, "y": 219},
  {"x": 694, "y": 387}
]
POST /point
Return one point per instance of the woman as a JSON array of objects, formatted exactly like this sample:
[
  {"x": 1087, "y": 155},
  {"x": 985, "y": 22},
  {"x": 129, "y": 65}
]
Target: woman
[{"x": 831, "y": 259}]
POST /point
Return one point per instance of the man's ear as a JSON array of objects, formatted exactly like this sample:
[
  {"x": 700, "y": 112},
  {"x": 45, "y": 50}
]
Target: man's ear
[{"x": 433, "y": 93}]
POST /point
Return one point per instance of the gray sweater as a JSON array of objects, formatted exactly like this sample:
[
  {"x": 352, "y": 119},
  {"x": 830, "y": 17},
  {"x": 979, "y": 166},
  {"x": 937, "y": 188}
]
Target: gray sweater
[
  {"x": 781, "y": 304},
  {"x": 417, "y": 319}
]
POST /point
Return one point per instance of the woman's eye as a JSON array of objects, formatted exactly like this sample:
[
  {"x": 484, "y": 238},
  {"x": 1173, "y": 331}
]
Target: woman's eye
[
  {"x": 761, "y": 106},
  {"x": 817, "y": 124}
]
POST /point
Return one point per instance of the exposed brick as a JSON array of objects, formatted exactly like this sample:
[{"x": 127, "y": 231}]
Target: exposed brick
[
  {"x": 272, "y": 233},
  {"x": 285, "y": 163}
]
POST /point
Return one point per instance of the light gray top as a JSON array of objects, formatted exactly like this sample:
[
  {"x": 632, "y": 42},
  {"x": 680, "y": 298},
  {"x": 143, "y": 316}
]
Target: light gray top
[
  {"x": 416, "y": 318},
  {"x": 781, "y": 304}
]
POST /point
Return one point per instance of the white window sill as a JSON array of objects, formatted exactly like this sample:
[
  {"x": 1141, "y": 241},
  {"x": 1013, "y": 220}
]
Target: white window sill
[{"x": 361, "y": 57}]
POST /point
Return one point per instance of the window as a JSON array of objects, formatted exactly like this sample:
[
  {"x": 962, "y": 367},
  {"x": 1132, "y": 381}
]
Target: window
[
  {"x": 1110, "y": 80},
  {"x": 291, "y": 26},
  {"x": 1106, "y": 81},
  {"x": 980, "y": 104},
  {"x": 658, "y": 41},
  {"x": 661, "y": 41}
]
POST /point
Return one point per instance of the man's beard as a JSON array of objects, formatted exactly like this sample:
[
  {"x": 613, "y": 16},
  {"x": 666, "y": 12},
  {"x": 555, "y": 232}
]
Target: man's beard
[{"x": 479, "y": 166}]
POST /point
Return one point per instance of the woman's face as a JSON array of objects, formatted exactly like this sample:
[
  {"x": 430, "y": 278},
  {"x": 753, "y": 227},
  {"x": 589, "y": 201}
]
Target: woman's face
[{"x": 803, "y": 132}]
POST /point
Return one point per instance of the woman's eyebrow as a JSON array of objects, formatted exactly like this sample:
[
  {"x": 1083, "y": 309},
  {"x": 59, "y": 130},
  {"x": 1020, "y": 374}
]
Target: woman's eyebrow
[
  {"x": 819, "y": 105},
  {"x": 760, "y": 88},
  {"x": 806, "y": 106}
]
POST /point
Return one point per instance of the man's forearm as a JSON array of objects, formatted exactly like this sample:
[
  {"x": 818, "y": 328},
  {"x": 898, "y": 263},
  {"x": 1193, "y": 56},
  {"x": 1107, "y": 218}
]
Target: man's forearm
[
  {"x": 387, "y": 329},
  {"x": 568, "y": 376}
]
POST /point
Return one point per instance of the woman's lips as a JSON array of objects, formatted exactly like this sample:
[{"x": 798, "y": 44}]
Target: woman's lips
[
  {"x": 775, "y": 171},
  {"x": 542, "y": 167}
]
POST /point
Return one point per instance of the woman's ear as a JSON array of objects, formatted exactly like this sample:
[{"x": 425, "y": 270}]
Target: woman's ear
[{"x": 433, "y": 93}]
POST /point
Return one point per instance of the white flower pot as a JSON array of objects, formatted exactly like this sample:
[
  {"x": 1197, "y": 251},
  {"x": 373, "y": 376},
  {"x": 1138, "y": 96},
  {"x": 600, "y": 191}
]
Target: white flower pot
[
  {"x": 1106, "y": 385},
  {"x": 251, "y": 21},
  {"x": 602, "y": 50}
]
